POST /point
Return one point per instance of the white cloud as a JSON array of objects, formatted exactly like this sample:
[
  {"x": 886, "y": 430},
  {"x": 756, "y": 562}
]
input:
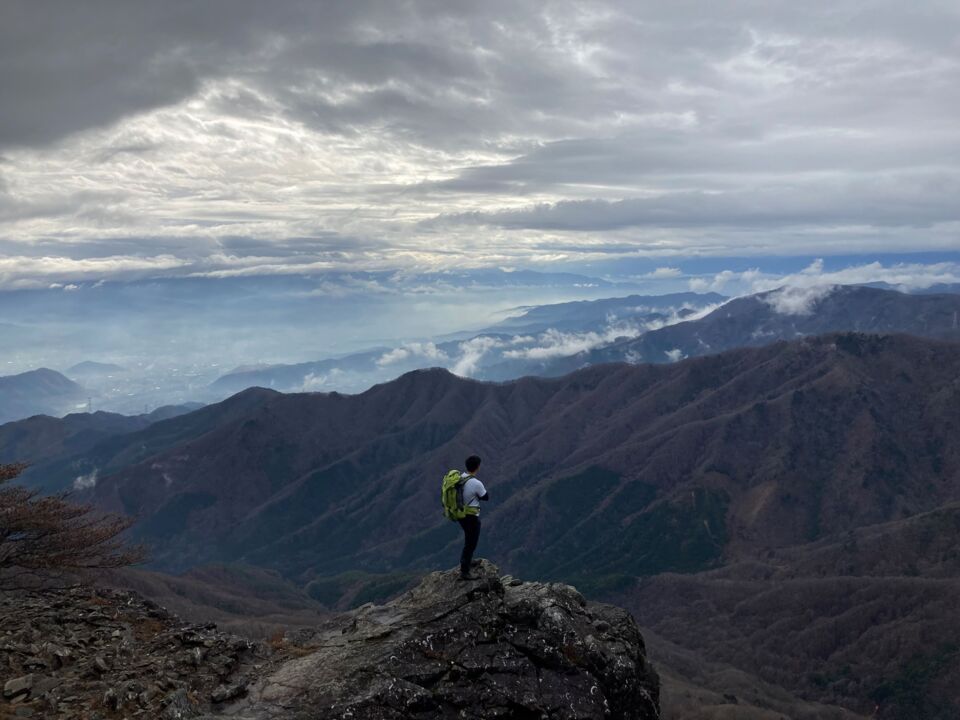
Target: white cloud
[
  {"x": 717, "y": 284},
  {"x": 317, "y": 382},
  {"x": 793, "y": 300},
  {"x": 21, "y": 271},
  {"x": 472, "y": 352},
  {"x": 554, "y": 343},
  {"x": 85, "y": 482},
  {"x": 677, "y": 315},
  {"x": 675, "y": 355},
  {"x": 903, "y": 276},
  {"x": 663, "y": 273},
  {"x": 427, "y": 350}
]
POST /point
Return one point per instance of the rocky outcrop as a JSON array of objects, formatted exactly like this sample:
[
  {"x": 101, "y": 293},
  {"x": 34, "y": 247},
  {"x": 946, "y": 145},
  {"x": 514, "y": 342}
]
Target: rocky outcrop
[
  {"x": 495, "y": 647},
  {"x": 91, "y": 654}
]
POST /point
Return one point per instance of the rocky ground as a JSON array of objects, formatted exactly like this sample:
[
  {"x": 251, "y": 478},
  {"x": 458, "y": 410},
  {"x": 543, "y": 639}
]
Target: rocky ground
[
  {"x": 495, "y": 647},
  {"x": 94, "y": 653}
]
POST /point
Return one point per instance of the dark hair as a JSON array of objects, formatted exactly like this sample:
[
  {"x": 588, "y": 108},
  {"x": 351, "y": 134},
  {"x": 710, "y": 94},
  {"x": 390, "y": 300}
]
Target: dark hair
[{"x": 472, "y": 463}]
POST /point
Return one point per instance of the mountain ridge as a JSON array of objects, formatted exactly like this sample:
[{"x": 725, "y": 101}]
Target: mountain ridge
[
  {"x": 301, "y": 465},
  {"x": 37, "y": 392},
  {"x": 785, "y": 313}
]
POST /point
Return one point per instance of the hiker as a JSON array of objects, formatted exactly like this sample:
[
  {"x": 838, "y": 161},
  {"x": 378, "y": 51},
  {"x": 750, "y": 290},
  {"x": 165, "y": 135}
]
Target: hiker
[
  {"x": 460, "y": 495},
  {"x": 473, "y": 493}
]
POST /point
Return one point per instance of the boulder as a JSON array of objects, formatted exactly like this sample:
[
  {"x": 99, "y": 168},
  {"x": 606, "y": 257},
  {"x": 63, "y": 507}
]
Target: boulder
[{"x": 476, "y": 649}]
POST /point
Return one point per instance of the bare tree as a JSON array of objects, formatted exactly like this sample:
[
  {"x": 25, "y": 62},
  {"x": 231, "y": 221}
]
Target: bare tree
[{"x": 47, "y": 534}]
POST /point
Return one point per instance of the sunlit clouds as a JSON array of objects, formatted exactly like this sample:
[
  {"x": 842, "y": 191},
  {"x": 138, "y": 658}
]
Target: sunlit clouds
[{"x": 234, "y": 139}]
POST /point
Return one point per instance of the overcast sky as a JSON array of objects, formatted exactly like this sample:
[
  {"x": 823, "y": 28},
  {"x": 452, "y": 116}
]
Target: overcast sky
[{"x": 251, "y": 137}]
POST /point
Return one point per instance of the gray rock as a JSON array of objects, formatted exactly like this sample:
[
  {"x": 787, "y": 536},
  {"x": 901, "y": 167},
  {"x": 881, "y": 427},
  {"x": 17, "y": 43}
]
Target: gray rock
[
  {"x": 17, "y": 687},
  {"x": 110, "y": 649},
  {"x": 488, "y": 648},
  {"x": 481, "y": 649},
  {"x": 100, "y": 665},
  {"x": 178, "y": 706},
  {"x": 223, "y": 693}
]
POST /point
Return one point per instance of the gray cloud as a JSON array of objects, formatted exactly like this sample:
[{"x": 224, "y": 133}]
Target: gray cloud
[
  {"x": 236, "y": 134},
  {"x": 878, "y": 201}
]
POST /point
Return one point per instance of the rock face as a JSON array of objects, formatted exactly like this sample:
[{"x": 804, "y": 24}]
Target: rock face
[
  {"x": 93, "y": 654},
  {"x": 494, "y": 647}
]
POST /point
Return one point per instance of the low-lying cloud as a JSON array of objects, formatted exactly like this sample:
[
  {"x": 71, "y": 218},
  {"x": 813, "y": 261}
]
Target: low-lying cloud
[
  {"x": 793, "y": 300},
  {"x": 553, "y": 343},
  {"x": 87, "y": 481},
  {"x": 425, "y": 350},
  {"x": 472, "y": 353},
  {"x": 902, "y": 276}
]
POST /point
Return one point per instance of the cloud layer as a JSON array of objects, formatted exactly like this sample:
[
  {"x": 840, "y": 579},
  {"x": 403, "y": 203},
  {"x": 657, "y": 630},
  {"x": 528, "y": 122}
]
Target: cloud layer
[{"x": 239, "y": 137}]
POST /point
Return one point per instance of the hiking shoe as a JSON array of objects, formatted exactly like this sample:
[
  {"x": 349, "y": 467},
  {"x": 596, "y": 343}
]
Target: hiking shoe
[{"x": 466, "y": 576}]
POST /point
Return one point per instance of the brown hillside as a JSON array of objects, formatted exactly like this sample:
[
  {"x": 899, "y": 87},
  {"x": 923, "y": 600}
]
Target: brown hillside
[{"x": 612, "y": 470}]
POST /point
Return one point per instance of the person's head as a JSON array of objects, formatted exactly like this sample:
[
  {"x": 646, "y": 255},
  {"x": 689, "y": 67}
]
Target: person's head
[{"x": 472, "y": 464}]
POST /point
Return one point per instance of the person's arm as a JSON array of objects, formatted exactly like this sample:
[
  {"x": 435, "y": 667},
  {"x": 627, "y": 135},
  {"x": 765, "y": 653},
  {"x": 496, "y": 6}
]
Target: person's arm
[{"x": 483, "y": 494}]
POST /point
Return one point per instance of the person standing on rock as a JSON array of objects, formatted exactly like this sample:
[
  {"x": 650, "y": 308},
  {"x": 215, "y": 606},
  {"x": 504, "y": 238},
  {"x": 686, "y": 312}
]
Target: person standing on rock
[{"x": 473, "y": 493}]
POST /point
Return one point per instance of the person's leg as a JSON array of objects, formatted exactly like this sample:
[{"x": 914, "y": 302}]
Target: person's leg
[
  {"x": 471, "y": 536},
  {"x": 476, "y": 538}
]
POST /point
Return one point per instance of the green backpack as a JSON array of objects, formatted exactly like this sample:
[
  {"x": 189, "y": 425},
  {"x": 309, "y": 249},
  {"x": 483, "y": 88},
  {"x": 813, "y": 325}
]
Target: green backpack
[{"x": 451, "y": 496}]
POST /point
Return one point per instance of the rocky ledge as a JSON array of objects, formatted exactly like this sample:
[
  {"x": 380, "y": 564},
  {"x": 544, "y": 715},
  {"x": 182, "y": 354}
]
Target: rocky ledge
[{"x": 494, "y": 647}]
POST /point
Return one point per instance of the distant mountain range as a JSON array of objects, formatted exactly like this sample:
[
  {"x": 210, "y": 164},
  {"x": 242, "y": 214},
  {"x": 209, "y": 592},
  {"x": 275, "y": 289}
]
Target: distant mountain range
[
  {"x": 56, "y": 448},
  {"x": 645, "y": 469},
  {"x": 540, "y": 340},
  {"x": 545, "y": 331},
  {"x": 755, "y": 320},
  {"x": 35, "y": 392},
  {"x": 91, "y": 367},
  {"x": 743, "y": 489},
  {"x": 552, "y": 340},
  {"x": 582, "y": 315}
]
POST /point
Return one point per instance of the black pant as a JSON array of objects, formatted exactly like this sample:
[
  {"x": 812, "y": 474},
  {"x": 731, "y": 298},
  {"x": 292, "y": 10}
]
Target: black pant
[{"x": 471, "y": 536}]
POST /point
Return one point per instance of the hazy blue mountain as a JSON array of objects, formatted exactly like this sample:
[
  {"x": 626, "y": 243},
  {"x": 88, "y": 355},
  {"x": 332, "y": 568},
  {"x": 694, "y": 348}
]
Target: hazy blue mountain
[
  {"x": 244, "y": 316},
  {"x": 782, "y": 314},
  {"x": 935, "y": 289},
  {"x": 92, "y": 368},
  {"x": 521, "y": 341},
  {"x": 74, "y": 451},
  {"x": 302, "y": 376},
  {"x": 36, "y": 392},
  {"x": 939, "y": 289},
  {"x": 582, "y": 315},
  {"x": 177, "y": 335},
  {"x": 50, "y": 444}
]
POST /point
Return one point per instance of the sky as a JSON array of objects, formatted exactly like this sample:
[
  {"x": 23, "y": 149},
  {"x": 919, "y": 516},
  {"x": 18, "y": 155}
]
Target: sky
[{"x": 241, "y": 138}]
